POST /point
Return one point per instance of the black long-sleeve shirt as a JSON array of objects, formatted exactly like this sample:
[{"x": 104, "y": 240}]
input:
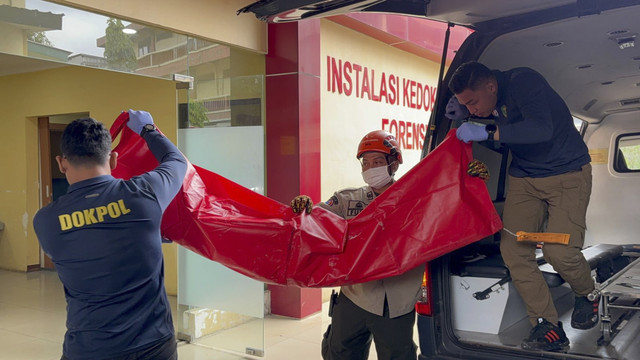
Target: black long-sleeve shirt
[{"x": 537, "y": 126}]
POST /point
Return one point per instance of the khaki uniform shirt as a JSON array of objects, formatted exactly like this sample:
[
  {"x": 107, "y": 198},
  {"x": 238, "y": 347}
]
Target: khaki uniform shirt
[{"x": 401, "y": 291}]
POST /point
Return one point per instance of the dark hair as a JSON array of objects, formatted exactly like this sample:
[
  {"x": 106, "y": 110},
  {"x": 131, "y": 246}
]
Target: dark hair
[
  {"x": 469, "y": 75},
  {"x": 86, "y": 141}
]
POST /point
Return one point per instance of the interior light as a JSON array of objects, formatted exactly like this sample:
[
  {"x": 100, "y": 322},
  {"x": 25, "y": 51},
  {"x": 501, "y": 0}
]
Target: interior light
[
  {"x": 625, "y": 42},
  {"x": 617, "y": 32},
  {"x": 553, "y": 44}
]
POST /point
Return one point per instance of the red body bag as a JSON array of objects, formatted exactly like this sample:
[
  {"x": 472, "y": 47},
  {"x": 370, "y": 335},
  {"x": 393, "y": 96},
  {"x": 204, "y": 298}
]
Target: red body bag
[{"x": 431, "y": 210}]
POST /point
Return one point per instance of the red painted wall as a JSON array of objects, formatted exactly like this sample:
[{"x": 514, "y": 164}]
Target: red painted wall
[{"x": 293, "y": 135}]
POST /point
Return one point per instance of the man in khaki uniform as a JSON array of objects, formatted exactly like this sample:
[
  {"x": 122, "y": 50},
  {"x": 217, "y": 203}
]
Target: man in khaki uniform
[{"x": 382, "y": 310}]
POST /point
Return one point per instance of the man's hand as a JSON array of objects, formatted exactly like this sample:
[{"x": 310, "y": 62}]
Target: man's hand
[
  {"x": 479, "y": 169},
  {"x": 300, "y": 203},
  {"x": 471, "y": 132},
  {"x": 138, "y": 119},
  {"x": 456, "y": 111}
]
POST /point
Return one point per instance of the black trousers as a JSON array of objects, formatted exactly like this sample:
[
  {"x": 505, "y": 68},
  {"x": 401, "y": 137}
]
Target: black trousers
[
  {"x": 166, "y": 350},
  {"x": 352, "y": 329}
]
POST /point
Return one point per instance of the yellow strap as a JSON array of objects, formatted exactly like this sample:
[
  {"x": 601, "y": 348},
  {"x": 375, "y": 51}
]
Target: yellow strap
[{"x": 545, "y": 237}]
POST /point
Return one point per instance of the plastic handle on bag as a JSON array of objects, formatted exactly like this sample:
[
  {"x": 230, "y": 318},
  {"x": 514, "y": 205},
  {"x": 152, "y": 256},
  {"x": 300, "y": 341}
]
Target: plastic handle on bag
[{"x": 119, "y": 124}]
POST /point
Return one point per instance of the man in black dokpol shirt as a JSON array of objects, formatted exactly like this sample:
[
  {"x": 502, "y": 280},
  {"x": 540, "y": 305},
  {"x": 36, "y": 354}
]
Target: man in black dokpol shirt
[{"x": 103, "y": 236}]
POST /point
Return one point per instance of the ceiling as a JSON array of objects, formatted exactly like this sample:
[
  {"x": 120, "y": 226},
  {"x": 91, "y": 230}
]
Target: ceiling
[
  {"x": 581, "y": 58},
  {"x": 12, "y": 64}
]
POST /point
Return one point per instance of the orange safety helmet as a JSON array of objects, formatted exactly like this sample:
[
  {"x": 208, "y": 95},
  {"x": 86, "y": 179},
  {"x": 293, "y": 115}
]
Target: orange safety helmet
[{"x": 380, "y": 141}]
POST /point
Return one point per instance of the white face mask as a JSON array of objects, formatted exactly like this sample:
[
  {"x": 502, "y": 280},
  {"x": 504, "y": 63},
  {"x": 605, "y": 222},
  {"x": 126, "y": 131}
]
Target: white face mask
[{"x": 377, "y": 177}]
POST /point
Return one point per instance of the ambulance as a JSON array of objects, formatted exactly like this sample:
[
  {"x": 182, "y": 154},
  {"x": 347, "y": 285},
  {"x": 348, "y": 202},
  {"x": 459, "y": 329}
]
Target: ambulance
[{"x": 586, "y": 50}]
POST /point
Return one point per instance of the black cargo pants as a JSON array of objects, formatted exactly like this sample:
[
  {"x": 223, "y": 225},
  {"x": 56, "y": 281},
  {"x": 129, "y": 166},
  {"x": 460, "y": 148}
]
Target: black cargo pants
[{"x": 352, "y": 329}]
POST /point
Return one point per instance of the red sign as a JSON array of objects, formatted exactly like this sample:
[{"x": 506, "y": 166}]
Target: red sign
[
  {"x": 351, "y": 79},
  {"x": 410, "y": 135}
]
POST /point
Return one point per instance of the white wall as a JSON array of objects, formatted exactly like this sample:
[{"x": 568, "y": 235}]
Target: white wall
[{"x": 346, "y": 118}]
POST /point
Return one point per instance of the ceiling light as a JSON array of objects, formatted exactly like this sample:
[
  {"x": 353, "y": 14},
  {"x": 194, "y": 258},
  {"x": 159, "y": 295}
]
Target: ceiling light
[
  {"x": 590, "y": 104},
  {"x": 617, "y": 32},
  {"x": 553, "y": 44},
  {"x": 634, "y": 101},
  {"x": 585, "y": 66},
  {"x": 625, "y": 41},
  {"x": 129, "y": 31}
]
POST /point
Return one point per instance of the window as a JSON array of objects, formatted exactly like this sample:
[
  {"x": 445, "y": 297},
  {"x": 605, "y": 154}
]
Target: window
[
  {"x": 580, "y": 124},
  {"x": 627, "y": 154},
  {"x": 143, "y": 50}
]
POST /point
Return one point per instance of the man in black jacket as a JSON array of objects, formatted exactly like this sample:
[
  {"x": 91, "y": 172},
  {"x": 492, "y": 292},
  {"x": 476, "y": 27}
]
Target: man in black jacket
[
  {"x": 549, "y": 184},
  {"x": 103, "y": 236}
]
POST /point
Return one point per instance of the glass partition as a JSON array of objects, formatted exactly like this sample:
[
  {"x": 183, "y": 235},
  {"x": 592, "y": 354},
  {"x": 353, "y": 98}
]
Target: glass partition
[
  {"x": 54, "y": 32},
  {"x": 220, "y": 129},
  {"x": 218, "y": 307},
  {"x": 220, "y": 120},
  {"x": 60, "y": 33}
]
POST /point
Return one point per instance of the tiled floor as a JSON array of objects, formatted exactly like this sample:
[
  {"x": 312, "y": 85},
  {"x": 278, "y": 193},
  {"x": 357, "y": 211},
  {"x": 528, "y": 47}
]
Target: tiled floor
[{"x": 33, "y": 313}]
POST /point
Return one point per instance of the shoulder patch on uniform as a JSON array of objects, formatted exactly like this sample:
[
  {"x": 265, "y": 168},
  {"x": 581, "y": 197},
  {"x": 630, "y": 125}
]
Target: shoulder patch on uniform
[{"x": 332, "y": 201}]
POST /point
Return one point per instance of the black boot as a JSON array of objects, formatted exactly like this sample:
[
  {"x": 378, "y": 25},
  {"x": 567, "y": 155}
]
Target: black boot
[{"x": 585, "y": 313}]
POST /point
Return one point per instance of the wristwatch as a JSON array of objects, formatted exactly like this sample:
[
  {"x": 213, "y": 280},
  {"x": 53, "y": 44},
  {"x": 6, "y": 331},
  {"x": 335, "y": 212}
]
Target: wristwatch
[
  {"x": 147, "y": 128},
  {"x": 491, "y": 129}
]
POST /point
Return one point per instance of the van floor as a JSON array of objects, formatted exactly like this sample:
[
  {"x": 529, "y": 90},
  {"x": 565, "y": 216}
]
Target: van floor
[{"x": 584, "y": 343}]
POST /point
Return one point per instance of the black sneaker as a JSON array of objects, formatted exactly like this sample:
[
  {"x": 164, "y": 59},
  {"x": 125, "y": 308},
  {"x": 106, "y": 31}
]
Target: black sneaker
[
  {"x": 546, "y": 336},
  {"x": 585, "y": 313}
]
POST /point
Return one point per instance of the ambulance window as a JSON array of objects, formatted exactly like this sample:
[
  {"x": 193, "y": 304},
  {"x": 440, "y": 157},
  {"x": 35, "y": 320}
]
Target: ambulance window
[
  {"x": 580, "y": 124},
  {"x": 627, "y": 155}
]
